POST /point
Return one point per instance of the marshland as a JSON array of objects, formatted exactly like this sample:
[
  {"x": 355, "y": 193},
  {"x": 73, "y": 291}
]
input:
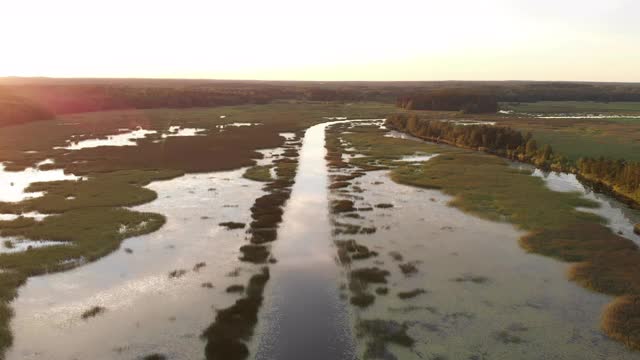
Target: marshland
[{"x": 318, "y": 221}]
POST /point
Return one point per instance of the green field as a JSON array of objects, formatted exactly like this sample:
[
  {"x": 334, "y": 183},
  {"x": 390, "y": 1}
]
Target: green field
[{"x": 573, "y": 107}]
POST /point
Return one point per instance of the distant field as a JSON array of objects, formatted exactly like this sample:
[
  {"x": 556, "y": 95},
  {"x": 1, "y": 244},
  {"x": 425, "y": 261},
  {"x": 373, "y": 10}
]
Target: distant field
[
  {"x": 615, "y": 137},
  {"x": 573, "y": 107}
]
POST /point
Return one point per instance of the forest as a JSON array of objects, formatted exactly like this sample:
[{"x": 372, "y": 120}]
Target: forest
[
  {"x": 619, "y": 176},
  {"x": 31, "y": 99},
  {"x": 467, "y": 101}
]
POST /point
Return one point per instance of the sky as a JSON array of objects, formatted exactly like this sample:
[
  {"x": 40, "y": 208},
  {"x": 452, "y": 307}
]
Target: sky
[{"x": 573, "y": 40}]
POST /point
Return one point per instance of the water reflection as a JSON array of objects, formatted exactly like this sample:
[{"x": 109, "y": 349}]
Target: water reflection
[
  {"x": 14, "y": 183},
  {"x": 147, "y": 311},
  {"x": 304, "y": 317}
]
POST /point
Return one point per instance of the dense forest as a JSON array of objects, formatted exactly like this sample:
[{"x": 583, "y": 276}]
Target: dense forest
[
  {"x": 18, "y": 110},
  {"x": 62, "y": 96},
  {"x": 465, "y": 100},
  {"x": 620, "y": 176}
]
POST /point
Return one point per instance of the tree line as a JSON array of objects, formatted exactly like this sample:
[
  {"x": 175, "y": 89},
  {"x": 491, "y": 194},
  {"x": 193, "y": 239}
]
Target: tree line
[
  {"x": 619, "y": 176},
  {"x": 466, "y": 100}
]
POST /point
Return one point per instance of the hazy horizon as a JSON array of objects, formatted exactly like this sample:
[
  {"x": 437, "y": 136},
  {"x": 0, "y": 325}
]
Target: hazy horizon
[{"x": 496, "y": 40}]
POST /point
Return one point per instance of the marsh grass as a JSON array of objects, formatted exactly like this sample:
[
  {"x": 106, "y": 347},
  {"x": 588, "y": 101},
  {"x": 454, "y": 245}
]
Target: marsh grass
[
  {"x": 487, "y": 187},
  {"x": 408, "y": 268},
  {"x": 155, "y": 356},
  {"x": 380, "y": 333},
  {"x": 236, "y": 288},
  {"x": 258, "y": 173},
  {"x": 178, "y": 273},
  {"x": 341, "y": 206},
  {"x": 234, "y": 325},
  {"x": 384, "y": 206},
  {"x": 411, "y": 293},
  {"x": 232, "y": 225}
]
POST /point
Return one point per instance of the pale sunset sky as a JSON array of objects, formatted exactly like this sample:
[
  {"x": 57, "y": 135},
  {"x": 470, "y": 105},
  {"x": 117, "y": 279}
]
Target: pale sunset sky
[{"x": 323, "y": 40}]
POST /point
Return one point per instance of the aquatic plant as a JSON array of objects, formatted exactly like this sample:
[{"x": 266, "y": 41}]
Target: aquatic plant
[
  {"x": 258, "y": 173},
  {"x": 476, "y": 279},
  {"x": 178, "y": 273},
  {"x": 362, "y": 299},
  {"x": 339, "y": 184},
  {"x": 155, "y": 356},
  {"x": 396, "y": 255},
  {"x": 408, "y": 268},
  {"x": 231, "y": 225},
  {"x": 411, "y": 294},
  {"x": 370, "y": 275},
  {"x": 382, "y": 290},
  {"x": 381, "y": 333},
  {"x": 235, "y": 288},
  {"x": 340, "y": 206},
  {"x": 384, "y": 206},
  {"x": 254, "y": 253},
  {"x": 92, "y": 312},
  {"x": 234, "y": 325}
]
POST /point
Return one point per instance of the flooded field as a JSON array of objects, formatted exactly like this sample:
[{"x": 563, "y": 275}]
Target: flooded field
[{"x": 159, "y": 291}]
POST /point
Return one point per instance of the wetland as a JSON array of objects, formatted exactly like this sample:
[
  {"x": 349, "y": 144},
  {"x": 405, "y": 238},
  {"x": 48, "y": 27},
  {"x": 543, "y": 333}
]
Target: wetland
[{"x": 313, "y": 230}]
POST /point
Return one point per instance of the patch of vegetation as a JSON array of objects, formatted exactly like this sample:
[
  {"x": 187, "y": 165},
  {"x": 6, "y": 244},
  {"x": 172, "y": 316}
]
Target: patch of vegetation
[
  {"x": 350, "y": 250},
  {"x": 258, "y": 173},
  {"x": 410, "y": 294},
  {"x": 636, "y": 229},
  {"x": 178, "y": 273},
  {"x": 396, "y": 255},
  {"x": 339, "y": 184},
  {"x": 231, "y": 225},
  {"x": 370, "y": 275},
  {"x": 341, "y": 206},
  {"x": 257, "y": 254},
  {"x": 471, "y": 278},
  {"x": 384, "y": 206},
  {"x": 605, "y": 261},
  {"x": 380, "y": 333},
  {"x": 382, "y": 290},
  {"x": 207, "y": 285},
  {"x": 93, "y": 312},
  {"x": 408, "y": 268},
  {"x": 362, "y": 299},
  {"x": 199, "y": 266},
  {"x": 155, "y": 356},
  {"x": 226, "y": 337},
  {"x": 235, "y": 288}
]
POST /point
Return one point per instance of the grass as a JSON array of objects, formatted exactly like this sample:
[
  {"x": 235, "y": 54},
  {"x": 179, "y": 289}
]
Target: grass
[
  {"x": 487, "y": 187},
  {"x": 258, "y": 173},
  {"x": 234, "y": 325},
  {"x": 573, "y": 107}
]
